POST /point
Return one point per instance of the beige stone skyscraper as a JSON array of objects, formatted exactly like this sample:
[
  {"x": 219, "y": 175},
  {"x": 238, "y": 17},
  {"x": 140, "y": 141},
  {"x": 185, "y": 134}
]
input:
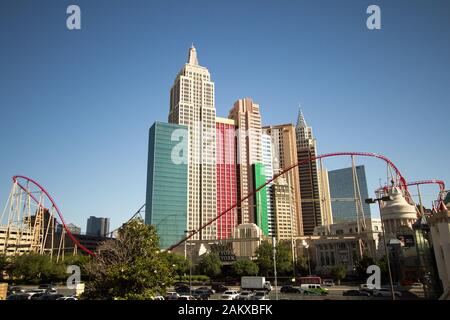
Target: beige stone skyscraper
[
  {"x": 284, "y": 155},
  {"x": 286, "y": 226},
  {"x": 309, "y": 180},
  {"x": 325, "y": 200},
  {"x": 192, "y": 104},
  {"x": 247, "y": 119}
]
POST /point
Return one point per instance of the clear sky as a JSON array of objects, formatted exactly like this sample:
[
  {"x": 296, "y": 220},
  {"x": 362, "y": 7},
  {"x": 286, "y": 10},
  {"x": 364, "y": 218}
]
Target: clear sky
[{"x": 76, "y": 106}]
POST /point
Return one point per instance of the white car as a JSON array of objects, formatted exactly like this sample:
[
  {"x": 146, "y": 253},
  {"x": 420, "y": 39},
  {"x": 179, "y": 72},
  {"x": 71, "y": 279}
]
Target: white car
[
  {"x": 229, "y": 295},
  {"x": 172, "y": 295},
  {"x": 186, "y": 297},
  {"x": 245, "y": 295}
]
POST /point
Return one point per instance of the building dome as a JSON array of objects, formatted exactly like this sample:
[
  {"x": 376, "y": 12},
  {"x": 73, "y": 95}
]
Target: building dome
[
  {"x": 397, "y": 213},
  {"x": 398, "y": 208}
]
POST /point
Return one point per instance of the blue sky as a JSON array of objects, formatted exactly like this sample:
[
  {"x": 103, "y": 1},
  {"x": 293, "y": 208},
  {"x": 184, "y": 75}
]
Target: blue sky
[{"x": 76, "y": 106}]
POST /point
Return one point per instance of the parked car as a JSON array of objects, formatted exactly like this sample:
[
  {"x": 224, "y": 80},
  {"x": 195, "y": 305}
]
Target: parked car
[
  {"x": 182, "y": 288},
  {"x": 383, "y": 292},
  {"x": 356, "y": 293},
  {"x": 186, "y": 297},
  {"x": 18, "y": 296},
  {"x": 68, "y": 298},
  {"x": 201, "y": 294},
  {"x": 171, "y": 295},
  {"x": 210, "y": 291},
  {"x": 158, "y": 298},
  {"x": 229, "y": 295},
  {"x": 328, "y": 282},
  {"x": 15, "y": 289},
  {"x": 32, "y": 292},
  {"x": 51, "y": 296},
  {"x": 260, "y": 295},
  {"x": 290, "y": 289},
  {"x": 366, "y": 286},
  {"x": 37, "y": 296},
  {"x": 219, "y": 288},
  {"x": 245, "y": 295},
  {"x": 47, "y": 287}
]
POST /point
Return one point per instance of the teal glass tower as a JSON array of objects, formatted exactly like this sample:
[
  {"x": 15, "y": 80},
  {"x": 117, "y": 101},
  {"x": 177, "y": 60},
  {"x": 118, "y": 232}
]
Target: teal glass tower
[{"x": 167, "y": 173}]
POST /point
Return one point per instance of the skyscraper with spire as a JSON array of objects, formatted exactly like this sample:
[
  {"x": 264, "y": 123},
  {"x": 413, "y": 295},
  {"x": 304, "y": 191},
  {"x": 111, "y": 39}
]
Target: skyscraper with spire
[
  {"x": 308, "y": 177},
  {"x": 192, "y": 105}
]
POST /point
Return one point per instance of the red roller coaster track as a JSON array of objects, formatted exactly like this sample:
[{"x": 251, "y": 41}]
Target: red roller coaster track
[
  {"x": 432, "y": 181},
  {"x": 75, "y": 240},
  {"x": 402, "y": 183}
]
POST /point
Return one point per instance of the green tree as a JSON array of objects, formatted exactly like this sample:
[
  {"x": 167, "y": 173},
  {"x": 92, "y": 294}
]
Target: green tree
[
  {"x": 245, "y": 268},
  {"x": 303, "y": 265},
  {"x": 180, "y": 264},
  {"x": 284, "y": 259},
  {"x": 130, "y": 266},
  {"x": 36, "y": 268},
  {"x": 339, "y": 272},
  {"x": 264, "y": 258},
  {"x": 210, "y": 265},
  {"x": 3, "y": 265},
  {"x": 361, "y": 265},
  {"x": 382, "y": 263}
]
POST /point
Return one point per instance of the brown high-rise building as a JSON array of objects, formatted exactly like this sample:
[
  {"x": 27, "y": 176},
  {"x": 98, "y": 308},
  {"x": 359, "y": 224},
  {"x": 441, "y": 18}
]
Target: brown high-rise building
[
  {"x": 247, "y": 118},
  {"x": 308, "y": 176},
  {"x": 284, "y": 155}
]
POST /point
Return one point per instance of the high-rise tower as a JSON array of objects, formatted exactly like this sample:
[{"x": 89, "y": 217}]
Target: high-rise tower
[
  {"x": 284, "y": 155},
  {"x": 309, "y": 182},
  {"x": 247, "y": 118},
  {"x": 192, "y": 105},
  {"x": 226, "y": 177}
]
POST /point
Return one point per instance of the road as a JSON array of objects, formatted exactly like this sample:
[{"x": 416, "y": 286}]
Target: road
[{"x": 334, "y": 293}]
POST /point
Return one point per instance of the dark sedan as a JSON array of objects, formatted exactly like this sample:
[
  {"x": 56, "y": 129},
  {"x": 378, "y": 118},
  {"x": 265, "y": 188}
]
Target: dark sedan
[
  {"x": 290, "y": 289},
  {"x": 356, "y": 293}
]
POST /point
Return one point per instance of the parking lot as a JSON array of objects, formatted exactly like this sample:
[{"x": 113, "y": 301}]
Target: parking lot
[{"x": 334, "y": 293}]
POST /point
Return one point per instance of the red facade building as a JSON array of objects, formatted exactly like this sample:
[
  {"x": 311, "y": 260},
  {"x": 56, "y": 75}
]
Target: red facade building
[{"x": 226, "y": 176}]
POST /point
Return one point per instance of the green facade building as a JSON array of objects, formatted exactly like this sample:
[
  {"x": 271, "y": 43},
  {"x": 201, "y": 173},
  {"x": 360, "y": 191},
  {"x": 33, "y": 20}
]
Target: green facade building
[
  {"x": 167, "y": 181},
  {"x": 261, "y": 218}
]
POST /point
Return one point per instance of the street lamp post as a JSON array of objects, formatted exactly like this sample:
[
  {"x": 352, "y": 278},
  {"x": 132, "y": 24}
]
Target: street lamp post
[
  {"x": 371, "y": 201},
  {"x": 190, "y": 262},
  {"x": 274, "y": 249},
  {"x": 306, "y": 246}
]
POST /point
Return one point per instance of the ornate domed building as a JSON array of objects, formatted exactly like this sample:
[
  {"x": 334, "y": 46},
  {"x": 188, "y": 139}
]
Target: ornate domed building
[{"x": 397, "y": 214}]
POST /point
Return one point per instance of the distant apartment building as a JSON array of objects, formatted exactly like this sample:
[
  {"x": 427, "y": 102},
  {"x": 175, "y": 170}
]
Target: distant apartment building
[
  {"x": 97, "y": 226},
  {"x": 247, "y": 118},
  {"x": 308, "y": 176},
  {"x": 72, "y": 228},
  {"x": 286, "y": 225},
  {"x": 266, "y": 143},
  {"x": 345, "y": 196},
  {"x": 284, "y": 155},
  {"x": 192, "y": 104},
  {"x": 167, "y": 182},
  {"x": 226, "y": 177}
]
